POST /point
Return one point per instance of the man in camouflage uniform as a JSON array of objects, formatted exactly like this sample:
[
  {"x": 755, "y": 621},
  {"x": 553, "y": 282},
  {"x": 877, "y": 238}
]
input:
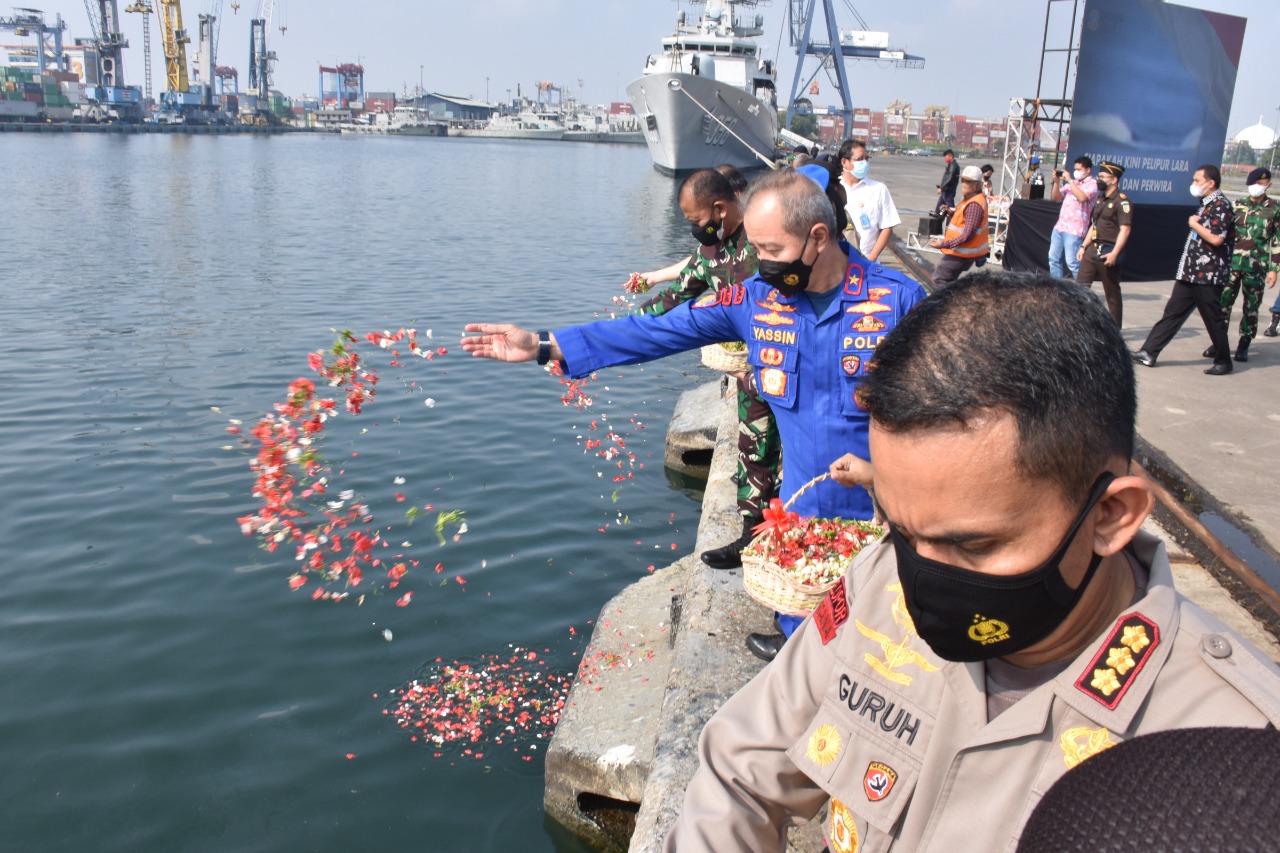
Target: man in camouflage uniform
[
  {"x": 724, "y": 258},
  {"x": 1256, "y": 257}
]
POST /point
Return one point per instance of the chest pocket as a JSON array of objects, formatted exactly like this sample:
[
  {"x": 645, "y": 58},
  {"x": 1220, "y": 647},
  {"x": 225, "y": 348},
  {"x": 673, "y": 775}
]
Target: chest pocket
[
  {"x": 867, "y": 760},
  {"x": 863, "y": 332},
  {"x": 775, "y": 367}
]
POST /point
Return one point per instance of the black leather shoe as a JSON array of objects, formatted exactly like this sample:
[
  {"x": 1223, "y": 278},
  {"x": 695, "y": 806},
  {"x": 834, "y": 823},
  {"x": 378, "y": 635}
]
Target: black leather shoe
[
  {"x": 1273, "y": 330},
  {"x": 1222, "y": 368},
  {"x": 729, "y": 556},
  {"x": 1242, "y": 351},
  {"x": 765, "y": 646},
  {"x": 1211, "y": 352},
  {"x": 1143, "y": 357}
]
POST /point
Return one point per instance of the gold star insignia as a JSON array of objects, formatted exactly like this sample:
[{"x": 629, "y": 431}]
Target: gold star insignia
[
  {"x": 1135, "y": 637},
  {"x": 1120, "y": 658},
  {"x": 1105, "y": 681}
]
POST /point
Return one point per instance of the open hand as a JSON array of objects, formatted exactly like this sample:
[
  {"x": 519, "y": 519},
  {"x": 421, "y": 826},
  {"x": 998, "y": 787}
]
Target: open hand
[{"x": 501, "y": 342}]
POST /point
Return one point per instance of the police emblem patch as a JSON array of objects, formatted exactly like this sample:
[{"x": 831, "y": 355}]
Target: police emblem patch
[
  {"x": 985, "y": 631},
  {"x": 850, "y": 363},
  {"x": 844, "y": 829},
  {"x": 1081, "y": 742},
  {"x": 867, "y": 323},
  {"x": 824, "y": 745},
  {"x": 773, "y": 382},
  {"x": 832, "y": 613},
  {"x": 791, "y": 279},
  {"x": 1116, "y": 665},
  {"x": 878, "y": 781},
  {"x": 771, "y": 356}
]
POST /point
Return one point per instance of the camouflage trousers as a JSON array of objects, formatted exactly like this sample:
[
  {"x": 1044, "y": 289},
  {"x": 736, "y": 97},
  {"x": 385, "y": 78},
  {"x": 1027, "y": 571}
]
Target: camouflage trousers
[
  {"x": 1252, "y": 285},
  {"x": 759, "y": 453}
]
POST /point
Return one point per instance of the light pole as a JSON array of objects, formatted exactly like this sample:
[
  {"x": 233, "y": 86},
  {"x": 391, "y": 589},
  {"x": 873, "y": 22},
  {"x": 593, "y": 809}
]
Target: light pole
[
  {"x": 1275, "y": 138},
  {"x": 486, "y": 90}
]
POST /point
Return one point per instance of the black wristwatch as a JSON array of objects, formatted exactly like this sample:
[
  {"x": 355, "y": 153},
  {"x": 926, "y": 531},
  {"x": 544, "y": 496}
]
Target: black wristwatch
[{"x": 544, "y": 347}]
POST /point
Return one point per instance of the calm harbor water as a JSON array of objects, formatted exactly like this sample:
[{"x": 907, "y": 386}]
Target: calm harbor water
[{"x": 162, "y": 687}]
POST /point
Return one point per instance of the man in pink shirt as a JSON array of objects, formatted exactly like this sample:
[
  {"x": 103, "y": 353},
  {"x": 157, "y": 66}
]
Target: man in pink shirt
[{"x": 1077, "y": 192}]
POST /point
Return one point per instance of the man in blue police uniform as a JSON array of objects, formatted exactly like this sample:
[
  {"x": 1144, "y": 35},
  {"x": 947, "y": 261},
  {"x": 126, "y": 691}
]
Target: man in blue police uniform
[{"x": 811, "y": 316}]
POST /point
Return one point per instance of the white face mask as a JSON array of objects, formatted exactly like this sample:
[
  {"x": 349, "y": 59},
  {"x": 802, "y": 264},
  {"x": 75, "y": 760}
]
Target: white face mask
[
  {"x": 1080, "y": 174},
  {"x": 1197, "y": 190},
  {"x": 1257, "y": 190}
]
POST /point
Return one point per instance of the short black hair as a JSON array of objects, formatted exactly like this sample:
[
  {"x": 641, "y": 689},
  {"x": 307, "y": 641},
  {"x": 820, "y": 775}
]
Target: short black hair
[
  {"x": 846, "y": 148},
  {"x": 707, "y": 186},
  {"x": 987, "y": 169},
  {"x": 1212, "y": 173},
  {"x": 1085, "y": 161},
  {"x": 735, "y": 178},
  {"x": 948, "y": 151},
  {"x": 1044, "y": 350}
]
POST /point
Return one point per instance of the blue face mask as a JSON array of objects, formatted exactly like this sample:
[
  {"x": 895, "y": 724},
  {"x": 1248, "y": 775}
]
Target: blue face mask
[{"x": 860, "y": 168}]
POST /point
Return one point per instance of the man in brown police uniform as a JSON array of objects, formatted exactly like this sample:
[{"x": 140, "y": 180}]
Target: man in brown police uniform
[
  {"x": 1109, "y": 228},
  {"x": 1014, "y": 622}
]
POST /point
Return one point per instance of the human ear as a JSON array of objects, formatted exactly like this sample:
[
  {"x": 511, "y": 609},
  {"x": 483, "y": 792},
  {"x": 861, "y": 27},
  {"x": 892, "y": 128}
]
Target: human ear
[{"x": 1124, "y": 506}]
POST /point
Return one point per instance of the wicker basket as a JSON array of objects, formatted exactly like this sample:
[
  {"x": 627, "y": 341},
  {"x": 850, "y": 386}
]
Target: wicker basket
[
  {"x": 717, "y": 357},
  {"x": 775, "y": 587}
]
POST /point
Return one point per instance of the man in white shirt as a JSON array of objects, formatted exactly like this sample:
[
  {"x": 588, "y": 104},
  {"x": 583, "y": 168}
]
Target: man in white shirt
[{"x": 872, "y": 215}]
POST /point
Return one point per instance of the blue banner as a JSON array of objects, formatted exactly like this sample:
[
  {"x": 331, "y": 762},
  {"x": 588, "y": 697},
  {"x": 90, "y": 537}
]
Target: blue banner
[{"x": 1153, "y": 93}]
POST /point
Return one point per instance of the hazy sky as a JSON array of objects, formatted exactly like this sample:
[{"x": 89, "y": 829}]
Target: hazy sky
[{"x": 466, "y": 45}]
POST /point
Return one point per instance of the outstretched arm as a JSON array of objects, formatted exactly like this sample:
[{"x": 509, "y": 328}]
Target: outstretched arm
[{"x": 505, "y": 342}]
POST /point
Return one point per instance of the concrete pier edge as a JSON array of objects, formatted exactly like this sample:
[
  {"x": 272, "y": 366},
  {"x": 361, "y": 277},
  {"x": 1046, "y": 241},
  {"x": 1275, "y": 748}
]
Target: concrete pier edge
[{"x": 625, "y": 748}]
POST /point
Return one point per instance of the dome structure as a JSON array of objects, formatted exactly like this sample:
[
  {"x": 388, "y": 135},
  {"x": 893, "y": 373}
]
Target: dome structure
[{"x": 1259, "y": 136}]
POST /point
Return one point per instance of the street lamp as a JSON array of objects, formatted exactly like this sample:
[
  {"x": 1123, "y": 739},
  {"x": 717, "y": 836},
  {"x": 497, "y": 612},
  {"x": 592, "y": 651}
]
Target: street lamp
[{"x": 1275, "y": 138}]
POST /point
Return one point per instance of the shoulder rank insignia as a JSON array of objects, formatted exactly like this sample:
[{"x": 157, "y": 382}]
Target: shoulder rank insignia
[
  {"x": 832, "y": 612},
  {"x": 1120, "y": 659}
]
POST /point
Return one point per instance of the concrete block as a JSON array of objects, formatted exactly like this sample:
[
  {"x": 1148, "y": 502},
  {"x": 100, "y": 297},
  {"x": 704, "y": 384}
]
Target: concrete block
[{"x": 691, "y": 435}]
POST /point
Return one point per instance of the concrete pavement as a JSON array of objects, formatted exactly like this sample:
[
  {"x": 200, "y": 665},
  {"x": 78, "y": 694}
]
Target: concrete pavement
[{"x": 1223, "y": 431}]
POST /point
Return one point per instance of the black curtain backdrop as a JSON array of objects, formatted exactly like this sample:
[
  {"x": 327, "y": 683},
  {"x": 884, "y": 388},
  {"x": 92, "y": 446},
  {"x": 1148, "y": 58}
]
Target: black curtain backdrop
[{"x": 1159, "y": 233}]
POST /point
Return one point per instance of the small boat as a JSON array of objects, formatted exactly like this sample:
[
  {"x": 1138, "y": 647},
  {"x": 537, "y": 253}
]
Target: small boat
[
  {"x": 410, "y": 121},
  {"x": 528, "y": 124},
  {"x": 709, "y": 98}
]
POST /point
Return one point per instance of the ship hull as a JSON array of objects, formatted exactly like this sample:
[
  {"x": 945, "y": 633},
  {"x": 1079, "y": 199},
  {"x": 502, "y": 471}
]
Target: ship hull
[
  {"x": 682, "y": 136},
  {"x": 492, "y": 133}
]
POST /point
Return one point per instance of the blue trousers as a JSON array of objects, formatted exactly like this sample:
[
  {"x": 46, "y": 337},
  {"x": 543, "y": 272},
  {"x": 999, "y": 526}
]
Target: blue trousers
[{"x": 1064, "y": 247}]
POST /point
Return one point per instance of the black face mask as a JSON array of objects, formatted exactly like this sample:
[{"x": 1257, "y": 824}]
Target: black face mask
[
  {"x": 789, "y": 277},
  {"x": 709, "y": 234},
  {"x": 968, "y": 616}
]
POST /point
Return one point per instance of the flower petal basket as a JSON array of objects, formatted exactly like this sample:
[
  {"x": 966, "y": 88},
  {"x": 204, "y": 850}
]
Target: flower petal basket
[
  {"x": 726, "y": 357},
  {"x": 793, "y": 562}
]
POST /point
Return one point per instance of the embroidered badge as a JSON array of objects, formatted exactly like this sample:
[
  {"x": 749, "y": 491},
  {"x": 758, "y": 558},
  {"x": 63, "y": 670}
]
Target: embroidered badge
[
  {"x": 1120, "y": 659},
  {"x": 824, "y": 745},
  {"x": 986, "y": 632},
  {"x": 877, "y": 293},
  {"x": 853, "y": 280},
  {"x": 832, "y": 613},
  {"x": 878, "y": 781},
  {"x": 896, "y": 652},
  {"x": 844, "y": 829},
  {"x": 1082, "y": 742},
  {"x": 771, "y": 356},
  {"x": 773, "y": 318},
  {"x": 850, "y": 363},
  {"x": 868, "y": 308},
  {"x": 773, "y": 382},
  {"x": 772, "y": 304},
  {"x": 732, "y": 295},
  {"x": 867, "y": 323}
]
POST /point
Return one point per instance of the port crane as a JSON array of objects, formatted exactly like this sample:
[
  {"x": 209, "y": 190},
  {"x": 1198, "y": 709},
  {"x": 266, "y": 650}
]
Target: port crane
[
  {"x": 143, "y": 8},
  {"x": 261, "y": 62},
  {"x": 108, "y": 97},
  {"x": 31, "y": 21},
  {"x": 861, "y": 43}
]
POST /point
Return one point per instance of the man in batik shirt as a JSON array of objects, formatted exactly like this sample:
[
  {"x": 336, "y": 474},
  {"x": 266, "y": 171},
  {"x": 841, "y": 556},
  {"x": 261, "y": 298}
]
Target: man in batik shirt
[{"x": 1203, "y": 273}]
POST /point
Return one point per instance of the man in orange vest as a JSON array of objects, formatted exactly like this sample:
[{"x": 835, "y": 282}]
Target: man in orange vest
[{"x": 966, "y": 239}]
